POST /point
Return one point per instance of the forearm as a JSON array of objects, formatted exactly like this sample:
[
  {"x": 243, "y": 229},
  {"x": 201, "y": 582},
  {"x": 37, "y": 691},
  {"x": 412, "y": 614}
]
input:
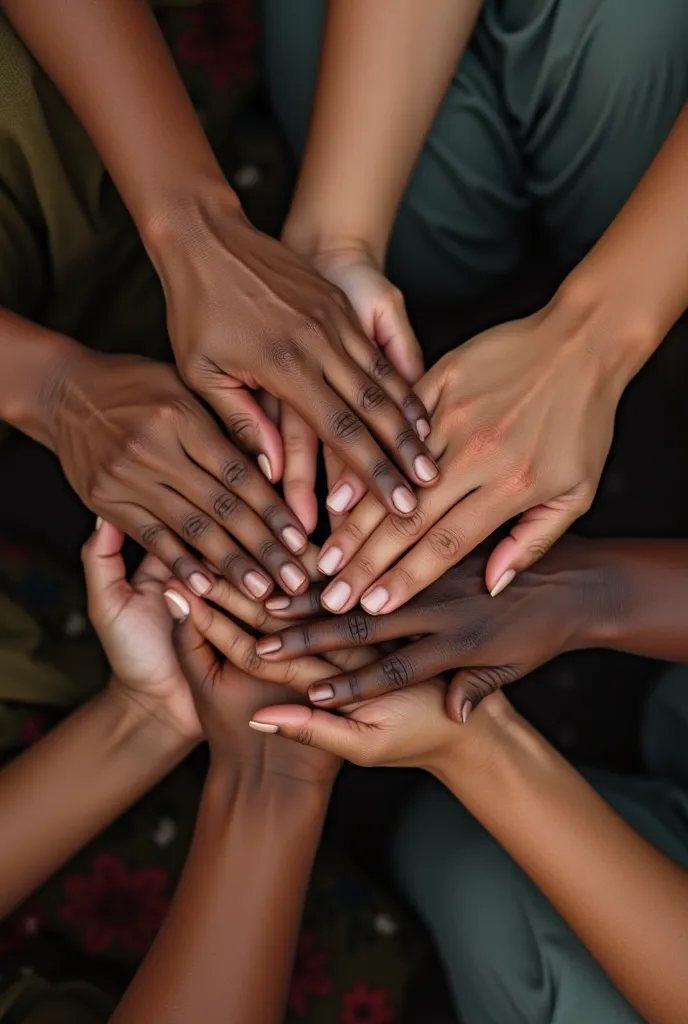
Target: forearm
[
  {"x": 226, "y": 950},
  {"x": 384, "y": 70},
  {"x": 74, "y": 782},
  {"x": 633, "y": 285},
  {"x": 625, "y": 900},
  {"x": 110, "y": 61}
]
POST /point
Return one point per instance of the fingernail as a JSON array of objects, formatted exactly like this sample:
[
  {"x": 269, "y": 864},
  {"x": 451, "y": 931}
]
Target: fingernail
[
  {"x": 403, "y": 500},
  {"x": 199, "y": 583},
  {"x": 292, "y": 576},
  {"x": 425, "y": 468},
  {"x": 255, "y": 583},
  {"x": 340, "y": 498},
  {"x": 376, "y": 600},
  {"x": 336, "y": 596},
  {"x": 422, "y": 429},
  {"x": 268, "y": 645},
  {"x": 503, "y": 582},
  {"x": 466, "y": 709},
  {"x": 99, "y": 523},
  {"x": 178, "y": 606},
  {"x": 266, "y": 468},
  {"x": 330, "y": 561},
  {"x": 294, "y": 540},
  {"x": 263, "y": 727},
  {"x": 277, "y": 604},
  {"x": 323, "y": 691}
]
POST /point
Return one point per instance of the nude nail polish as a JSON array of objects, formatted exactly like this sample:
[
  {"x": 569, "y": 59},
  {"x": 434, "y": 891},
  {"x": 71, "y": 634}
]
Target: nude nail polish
[
  {"x": 376, "y": 600},
  {"x": 330, "y": 561},
  {"x": 503, "y": 582},
  {"x": 199, "y": 583},
  {"x": 340, "y": 498},
  {"x": 265, "y": 727},
  {"x": 425, "y": 468},
  {"x": 268, "y": 645},
  {"x": 278, "y": 604},
  {"x": 403, "y": 500},
  {"x": 294, "y": 540},
  {"x": 266, "y": 468},
  {"x": 292, "y": 576},
  {"x": 256, "y": 584},
  {"x": 336, "y": 596},
  {"x": 323, "y": 691},
  {"x": 466, "y": 709},
  {"x": 179, "y": 606}
]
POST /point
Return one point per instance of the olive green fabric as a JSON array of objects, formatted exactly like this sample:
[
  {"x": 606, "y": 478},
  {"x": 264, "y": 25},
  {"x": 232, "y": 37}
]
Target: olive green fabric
[
  {"x": 554, "y": 112},
  {"x": 509, "y": 957}
]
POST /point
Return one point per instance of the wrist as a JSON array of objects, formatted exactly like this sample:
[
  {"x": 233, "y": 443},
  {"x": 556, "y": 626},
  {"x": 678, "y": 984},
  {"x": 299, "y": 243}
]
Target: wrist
[
  {"x": 135, "y": 731},
  {"x": 235, "y": 787},
  {"x": 320, "y": 244}
]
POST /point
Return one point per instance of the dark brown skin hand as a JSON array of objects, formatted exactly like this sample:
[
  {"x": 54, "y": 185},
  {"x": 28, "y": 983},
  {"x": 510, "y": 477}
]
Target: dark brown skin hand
[
  {"x": 245, "y": 312},
  {"x": 142, "y": 453},
  {"x": 492, "y": 641}
]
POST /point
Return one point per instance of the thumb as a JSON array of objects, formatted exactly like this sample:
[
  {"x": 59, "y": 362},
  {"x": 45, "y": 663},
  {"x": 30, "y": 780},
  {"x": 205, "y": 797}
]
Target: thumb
[
  {"x": 393, "y": 333},
  {"x": 472, "y": 685},
  {"x": 315, "y": 728},
  {"x": 106, "y": 578},
  {"x": 529, "y": 539},
  {"x": 251, "y": 426}
]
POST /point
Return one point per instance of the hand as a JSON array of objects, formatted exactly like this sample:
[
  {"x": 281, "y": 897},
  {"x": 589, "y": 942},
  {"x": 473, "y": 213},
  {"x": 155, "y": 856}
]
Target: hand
[
  {"x": 226, "y": 698},
  {"x": 135, "y": 629},
  {"x": 522, "y": 422},
  {"x": 557, "y": 605},
  {"x": 245, "y": 312},
  {"x": 144, "y": 454},
  {"x": 380, "y": 310}
]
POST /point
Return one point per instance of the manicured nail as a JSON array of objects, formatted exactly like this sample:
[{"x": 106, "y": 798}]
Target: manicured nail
[
  {"x": 403, "y": 500},
  {"x": 336, "y": 596},
  {"x": 263, "y": 727},
  {"x": 268, "y": 645},
  {"x": 323, "y": 691},
  {"x": 99, "y": 523},
  {"x": 466, "y": 709},
  {"x": 503, "y": 582},
  {"x": 330, "y": 561},
  {"x": 199, "y": 583},
  {"x": 376, "y": 600},
  {"x": 425, "y": 468},
  {"x": 179, "y": 607},
  {"x": 340, "y": 498},
  {"x": 255, "y": 583},
  {"x": 266, "y": 468},
  {"x": 277, "y": 604},
  {"x": 422, "y": 428},
  {"x": 294, "y": 540},
  {"x": 292, "y": 576}
]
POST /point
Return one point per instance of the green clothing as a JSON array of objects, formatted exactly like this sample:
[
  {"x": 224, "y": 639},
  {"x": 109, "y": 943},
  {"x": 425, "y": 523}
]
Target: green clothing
[
  {"x": 554, "y": 113},
  {"x": 509, "y": 957}
]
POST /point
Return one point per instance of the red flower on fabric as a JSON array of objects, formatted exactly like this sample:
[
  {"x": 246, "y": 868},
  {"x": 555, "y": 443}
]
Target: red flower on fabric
[
  {"x": 363, "y": 1005},
  {"x": 17, "y": 930},
  {"x": 32, "y": 729},
  {"x": 222, "y": 35},
  {"x": 113, "y": 904},
  {"x": 309, "y": 978}
]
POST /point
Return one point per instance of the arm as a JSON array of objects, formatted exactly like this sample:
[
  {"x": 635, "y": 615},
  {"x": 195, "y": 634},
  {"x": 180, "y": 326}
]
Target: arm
[
  {"x": 60, "y": 793},
  {"x": 384, "y": 70}
]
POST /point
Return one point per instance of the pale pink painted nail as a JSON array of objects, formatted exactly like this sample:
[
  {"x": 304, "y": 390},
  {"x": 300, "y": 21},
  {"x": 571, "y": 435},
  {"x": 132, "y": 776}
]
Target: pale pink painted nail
[
  {"x": 199, "y": 583},
  {"x": 336, "y": 596},
  {"x": 268, "y": 645},
  {"x": 466, "y": 709},
  {"x": 292, "y": 576},
  {"x": 179, "y": 607},
  {"x": 263, "y": 727},
  {"x": 323, "y": 691},
  {"x": 340, "y": 498},
  {"x": 99, "y": 523},
  {"x": 503, "y": 582},
  {"x": 294, "y": 540},
  {"x": 376, "y": 600},
  {"x": 330, "y": 561},
  {"x": 403, "y": 500},
  {"x": 277, "y": 604},
  {"x": 255, "y": 583},
  {"x": 425, "y": 468},
  {"x": 266, "y": 468}
]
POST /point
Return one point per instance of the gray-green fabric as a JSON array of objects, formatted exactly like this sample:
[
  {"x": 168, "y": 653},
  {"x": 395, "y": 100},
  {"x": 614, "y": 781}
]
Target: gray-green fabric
[
  {"x": 509, "y": 957},
  {"x": 555, "y": 112}
]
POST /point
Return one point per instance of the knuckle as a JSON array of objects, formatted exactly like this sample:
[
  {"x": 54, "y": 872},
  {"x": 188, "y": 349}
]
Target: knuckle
[
  {"x": 370, "y": 398},
  {"x": 354, "y": 684},
  {"x": 251, "y": 662},
  {"x": 304, "y": 634},
  {"x": 232, "y": 564},
  {"x": 353, "y": 531},
  {"x": 520, "y": 479},
  {"x": 410, "y": 526},
  {"x": 235, "y": 472},
  {"x": 194, "y": 525},
  {"x": 345, "y": 426},
  {"x": 366, "y": 567},
  {"x": 241, "y": 427},
  {"x": 485, "y": 441},
  {"x": 381, "y": 469},
  {"x": 357, "y": 628},
  {"x": 539, "y": 547},
  {"x": 151, "y": 534},
  {"x": 406, "y": 576},
  {"x": 397, "y": 671},
  {"x": 225, "y": 506},
  {"x": 288, "y": 356},
  {"x": 271, "y": 515},
  {"x": 268, "y": 549},
  {"x": 446, "y": 543},
  {"x": 380, "y": 368}
]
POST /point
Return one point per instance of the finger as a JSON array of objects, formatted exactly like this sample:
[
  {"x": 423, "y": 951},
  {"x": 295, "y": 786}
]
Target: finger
[
  {"x": 396, "y": 338},
  {"x": 159, "y": 540},
  {"x": 334, "y": 468},
  {"x": 531, "y": 538},
  {"x": 470, "y": 686},
  {"x": 151, "y": 570},
  {"x": 444, "y": 544},
  {"x": 240, "y": 476},
  {"x": 431, "y": 385},
  {"x": 196, "y": 656},
  {"x": 344, "y": 737},
  {"x": 213, "y": 514},
  {"x": 105, "y": 572},
  {"x": 340, "y": 632},
  {"x": 380, "y": 413},
  {"x": 350, "y": 535},
  {"x": 251, "y": 613},
  {"x": 300, "y": 464},
  {"x": 411, "y": 664},
  {"x": 251, "y": 426},
  {"x": 304, "y": 606}
]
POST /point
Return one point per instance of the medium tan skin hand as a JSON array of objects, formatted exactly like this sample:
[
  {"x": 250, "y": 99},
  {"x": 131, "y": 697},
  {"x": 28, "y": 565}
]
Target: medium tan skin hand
[
  {"x": 546, "y": 611},
  {"x": 522, "y": 422},
  {"x": 244, "y": 312},
  {"x": 134, "y": 626},
  {"x": 142, "y": 452}
]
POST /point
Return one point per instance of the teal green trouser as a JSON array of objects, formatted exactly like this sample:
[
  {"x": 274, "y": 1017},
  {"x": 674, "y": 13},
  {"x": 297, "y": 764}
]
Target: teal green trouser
[
  {"x": 554, "y": 113},
  {"x": 509, "y": 957}
]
